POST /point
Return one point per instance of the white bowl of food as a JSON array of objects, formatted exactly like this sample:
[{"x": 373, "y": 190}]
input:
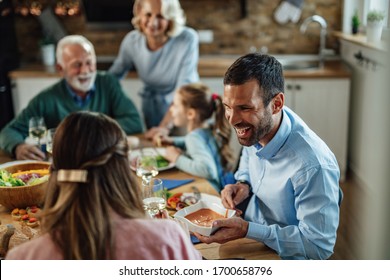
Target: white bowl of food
[{"x": 200, "y": 216}]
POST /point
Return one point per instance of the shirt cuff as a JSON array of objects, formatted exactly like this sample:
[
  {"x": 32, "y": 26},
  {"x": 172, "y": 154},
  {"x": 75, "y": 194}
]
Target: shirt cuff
[
  {"x": 258, "y": 232},
  {"x": 242, "y": 178}
]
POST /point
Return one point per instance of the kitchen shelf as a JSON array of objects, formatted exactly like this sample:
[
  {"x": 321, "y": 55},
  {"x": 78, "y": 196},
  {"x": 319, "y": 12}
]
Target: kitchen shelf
[{"x": 361, "y": 40}]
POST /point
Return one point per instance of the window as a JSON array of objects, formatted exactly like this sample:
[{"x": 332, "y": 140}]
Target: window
[{"x": 362, "y": 7}]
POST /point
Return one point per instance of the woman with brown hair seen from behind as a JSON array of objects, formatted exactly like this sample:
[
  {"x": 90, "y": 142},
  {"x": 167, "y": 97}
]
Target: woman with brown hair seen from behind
[{"x": 93, "y": 208}]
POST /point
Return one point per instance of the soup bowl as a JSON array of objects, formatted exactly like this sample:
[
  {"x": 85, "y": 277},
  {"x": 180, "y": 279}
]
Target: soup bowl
[{"x": 212, "y": 209}]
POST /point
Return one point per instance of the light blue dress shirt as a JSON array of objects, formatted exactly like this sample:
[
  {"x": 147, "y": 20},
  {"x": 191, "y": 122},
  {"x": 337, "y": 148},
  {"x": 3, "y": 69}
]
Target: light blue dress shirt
[
  {"x": 295, "y": 183},
  {"x": 77, "y": 99}
]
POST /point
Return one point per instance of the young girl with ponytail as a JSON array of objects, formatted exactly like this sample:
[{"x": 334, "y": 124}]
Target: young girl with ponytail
[{"x": 205, "y": 150}]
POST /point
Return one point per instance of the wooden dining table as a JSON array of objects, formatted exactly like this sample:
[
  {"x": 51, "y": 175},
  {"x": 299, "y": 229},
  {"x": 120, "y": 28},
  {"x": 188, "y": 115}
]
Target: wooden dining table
[{"x": 243, "y": 248}]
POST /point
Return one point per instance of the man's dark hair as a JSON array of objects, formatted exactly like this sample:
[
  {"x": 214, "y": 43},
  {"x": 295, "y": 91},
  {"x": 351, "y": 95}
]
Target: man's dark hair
[{"x": 265, "y": 69}]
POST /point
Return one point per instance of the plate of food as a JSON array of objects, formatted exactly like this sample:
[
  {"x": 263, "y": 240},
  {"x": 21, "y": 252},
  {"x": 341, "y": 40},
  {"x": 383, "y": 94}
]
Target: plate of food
[
  {"x": 178, "y": 201},
  {"x": 162, "y": 162}
]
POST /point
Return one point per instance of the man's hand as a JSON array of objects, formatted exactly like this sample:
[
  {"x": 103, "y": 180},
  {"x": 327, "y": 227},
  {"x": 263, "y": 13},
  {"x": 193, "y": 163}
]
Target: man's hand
[
  {"x": 234, "y": 194},
  {"x": 230, "y": 229},
  {"x": 27, "y": 151},
  {"x": 162, "y": 214}
]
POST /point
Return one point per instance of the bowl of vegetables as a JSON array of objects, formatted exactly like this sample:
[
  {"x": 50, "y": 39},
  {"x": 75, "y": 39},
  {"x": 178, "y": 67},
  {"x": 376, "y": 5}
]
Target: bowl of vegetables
[{"x": 23, "y": 184}]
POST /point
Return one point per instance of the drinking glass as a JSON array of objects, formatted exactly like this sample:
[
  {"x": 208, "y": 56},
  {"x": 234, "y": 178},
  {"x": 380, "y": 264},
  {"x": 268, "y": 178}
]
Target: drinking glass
[
  {"x": 146, "y": 166},
  {"x": 153, "y": 196},
  {"x": 37, "y": 129},
  {"x": 49, "y": 141}
]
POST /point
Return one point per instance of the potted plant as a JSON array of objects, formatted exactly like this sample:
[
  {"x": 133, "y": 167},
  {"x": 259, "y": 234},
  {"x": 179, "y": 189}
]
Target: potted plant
[
  {"x": 374, "y": 25},
  {"x": 355, "y": 23},
  {"x": 374, "y": 16},
  {"x": 47, "y": 46}
]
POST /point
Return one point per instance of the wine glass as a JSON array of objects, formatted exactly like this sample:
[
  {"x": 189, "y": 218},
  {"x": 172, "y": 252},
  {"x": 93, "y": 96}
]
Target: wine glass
[
  {"x": 49, "y": 141},
  {"x": 37, "y": 129},
  {"x": 146, "y": 166},
  {"x": 153, "y": 196}
]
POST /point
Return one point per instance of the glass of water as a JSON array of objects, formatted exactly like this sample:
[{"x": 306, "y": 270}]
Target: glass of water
[
  {"x": 49, "y": 141},
  {"x": 146, "y": 166},
  {"x": 153, "y": 196},
  {"x": 37, "y": 129}
]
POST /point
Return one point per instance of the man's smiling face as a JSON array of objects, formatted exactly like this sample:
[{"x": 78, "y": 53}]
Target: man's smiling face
[{"x": 245, "y": 111}]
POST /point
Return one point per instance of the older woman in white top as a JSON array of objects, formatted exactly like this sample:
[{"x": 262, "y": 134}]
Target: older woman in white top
[{"x": 165, "y": 54}]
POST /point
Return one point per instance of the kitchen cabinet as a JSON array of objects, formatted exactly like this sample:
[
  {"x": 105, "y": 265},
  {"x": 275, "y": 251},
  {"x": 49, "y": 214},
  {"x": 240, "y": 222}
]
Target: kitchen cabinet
[
  {"x": 369, "y": 125},
  {"x": 131, "y": 87},
  {"x": 24, "y": 89},
  {"x": 215, "y": 84},
  {"x": 324, "y": 105}
]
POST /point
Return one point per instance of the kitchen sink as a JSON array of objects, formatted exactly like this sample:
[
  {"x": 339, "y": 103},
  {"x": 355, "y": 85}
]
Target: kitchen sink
[
  {"x": 300, "y": 65},
  {"x": 290, "y": 62},
  {"x": 299, "y": 62}
]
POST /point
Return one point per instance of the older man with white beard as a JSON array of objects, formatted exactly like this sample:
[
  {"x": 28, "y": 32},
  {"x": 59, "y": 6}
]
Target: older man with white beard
[{"x": 82, "y": 88}]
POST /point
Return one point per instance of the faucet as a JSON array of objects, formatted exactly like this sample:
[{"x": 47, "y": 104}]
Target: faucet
[{"x": 322, "y": 50}]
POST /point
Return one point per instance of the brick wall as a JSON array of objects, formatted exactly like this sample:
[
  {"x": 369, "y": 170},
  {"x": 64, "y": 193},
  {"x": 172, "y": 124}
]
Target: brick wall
[{"x": 233, "y": 33}]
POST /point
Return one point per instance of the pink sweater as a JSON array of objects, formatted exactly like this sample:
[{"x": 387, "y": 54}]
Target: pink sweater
[{"x": 135, "y": 240}]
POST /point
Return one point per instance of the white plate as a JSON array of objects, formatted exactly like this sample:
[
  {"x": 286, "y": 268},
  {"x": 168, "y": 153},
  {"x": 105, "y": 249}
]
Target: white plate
[
  {"x": 206, "y": 197},
  {"x": 135, "y": 153}
]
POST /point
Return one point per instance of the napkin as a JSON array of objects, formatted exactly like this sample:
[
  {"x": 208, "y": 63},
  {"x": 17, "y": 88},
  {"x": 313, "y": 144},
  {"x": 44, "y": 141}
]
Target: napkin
[
  {"x": 194, "y": 239},
  {"x": 171, "y": 184}
]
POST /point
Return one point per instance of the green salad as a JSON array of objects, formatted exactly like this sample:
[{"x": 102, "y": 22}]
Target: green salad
[
  {"x": 161, "y": 161},
  {"x": 6, "y": 179},
  {"x": 24, "y": 178}
]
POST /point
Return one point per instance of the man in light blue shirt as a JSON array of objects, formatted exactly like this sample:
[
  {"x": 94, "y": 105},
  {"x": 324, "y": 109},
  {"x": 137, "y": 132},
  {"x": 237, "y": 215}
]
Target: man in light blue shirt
[{"x": 293, "y": 175}]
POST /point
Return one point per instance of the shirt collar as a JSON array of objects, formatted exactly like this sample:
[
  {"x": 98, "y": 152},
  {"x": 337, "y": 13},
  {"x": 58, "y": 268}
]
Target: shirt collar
[
  {"x": 269, "y": 150},
  {"x": 77, "y": 99}
]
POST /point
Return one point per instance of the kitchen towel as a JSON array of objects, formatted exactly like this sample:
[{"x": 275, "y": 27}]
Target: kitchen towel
[
  {"x": 171, "y": 184},
  {"x": 289, "y": 10}
]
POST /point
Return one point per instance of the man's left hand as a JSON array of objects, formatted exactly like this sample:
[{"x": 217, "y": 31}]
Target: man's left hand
[{"x": 230, "y": 229}]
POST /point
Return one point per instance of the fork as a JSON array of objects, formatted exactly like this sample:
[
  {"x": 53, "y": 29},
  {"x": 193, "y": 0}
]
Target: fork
[{"x": 196, "y": 192}]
